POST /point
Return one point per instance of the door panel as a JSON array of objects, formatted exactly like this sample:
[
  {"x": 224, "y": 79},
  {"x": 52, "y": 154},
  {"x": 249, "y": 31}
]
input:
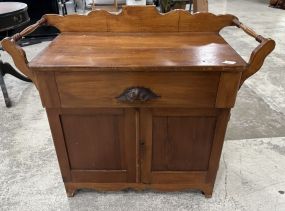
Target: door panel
[
  {"x": 181, "y": 143},
  {"x": 177, "y": 144},
  {"x": 101, "y": 144}
]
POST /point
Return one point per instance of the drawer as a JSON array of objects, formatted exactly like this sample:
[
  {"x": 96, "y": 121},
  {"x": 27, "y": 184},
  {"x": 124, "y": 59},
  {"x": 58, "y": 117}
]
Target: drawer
[{"x": 102, "y": 89}]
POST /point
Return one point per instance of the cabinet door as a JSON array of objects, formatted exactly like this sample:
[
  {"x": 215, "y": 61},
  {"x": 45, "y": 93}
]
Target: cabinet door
[
  {"x": 176, "y": 144},
  {"x": 101, "y": 144}
]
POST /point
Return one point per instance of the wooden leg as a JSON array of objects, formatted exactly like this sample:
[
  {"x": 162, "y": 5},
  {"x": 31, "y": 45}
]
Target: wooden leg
[
  {"x": 70, "y": 192},
  {"x": 207, "y": 195},
  {"x": 207, "y": 192}
]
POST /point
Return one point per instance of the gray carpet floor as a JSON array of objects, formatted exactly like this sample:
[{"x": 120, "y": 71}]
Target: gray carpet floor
[{"x": 251, "y": 174}]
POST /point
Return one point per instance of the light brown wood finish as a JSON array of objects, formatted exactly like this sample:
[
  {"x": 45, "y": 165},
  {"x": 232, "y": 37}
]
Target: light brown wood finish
[
  {"x": 140, "y": 19},
  {"x": 218, "y": 140},
  {"x": 257, "y": 58},
  {"x": 100, "y": 144},
  {"x": 172, "y": 141},
  {"x": 118, "y": 51},
  {"x": 59, "y": 143},
  {"x": 180, "y": 89},
  {"x": 86, "y": 150},
  {"x": 72, "y": 187},
  {"x": 28, "y": 30},
  {"x": 176, "y": 144},
  {"x": 47, "y": 84},
  {"x": 134, "y": 19},
  {"x": 19, "y": 57},
  {"x": 227, "y": 90},
  {"x": 174, "y": 152},
  {"x": 259, "y": 54}
]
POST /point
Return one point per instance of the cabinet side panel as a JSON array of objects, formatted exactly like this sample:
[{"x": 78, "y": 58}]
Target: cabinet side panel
[
  {"x": 59, "y": 143},
  {"x": 48, "y": 89},
  {"x": 218, "y": 142},
  {"x": 227, "y": 90}
]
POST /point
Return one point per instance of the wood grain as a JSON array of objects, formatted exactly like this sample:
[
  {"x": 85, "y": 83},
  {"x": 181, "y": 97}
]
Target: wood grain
[
  {"x": 89, "y": 141},
  {"x": 146, "y": 145},
  {"x": 100, "y": 142},
  {"x": 140, "y": 19},
  {"x": 134, "y": 19},
  {"x": 28, "y": 30},
  {"x": 18, "y": 55},
  {"x": 177, "y": 177},
  {"x": 171, "y": 142},
  {"x": 59, "y": 143},
  {"x": 138, "y": 52},
  {"x": 99, "y": 176},
  {"x": 248, "y": 30},
  {"x": 101, "y": 89},
  {"x": 48, "y": 87},
  {"x": 259, "y": 54},
  {"x": 181, "y": 143},
  {"x": 204, "y": 22},
  {"x": 176, "y": 146},
  {"x": 218, "y": 141},
  {"x": 72, "y": 187},
  {"x": 227, "y": 90},
  {"x": 257, "y": 58}
]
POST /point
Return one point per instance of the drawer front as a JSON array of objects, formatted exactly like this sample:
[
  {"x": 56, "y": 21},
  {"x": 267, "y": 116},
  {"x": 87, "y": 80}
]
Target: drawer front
[{"x": 163, "y": 89}]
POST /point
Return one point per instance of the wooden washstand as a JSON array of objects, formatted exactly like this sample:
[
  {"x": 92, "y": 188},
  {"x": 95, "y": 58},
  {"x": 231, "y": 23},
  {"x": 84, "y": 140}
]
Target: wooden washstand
[{"x": 139, "y": 99}]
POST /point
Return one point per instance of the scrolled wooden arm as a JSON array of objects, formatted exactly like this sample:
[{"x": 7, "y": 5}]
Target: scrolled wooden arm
[
  {"x": 259, "y": 54},
  {"x": 18, "y": 54}
]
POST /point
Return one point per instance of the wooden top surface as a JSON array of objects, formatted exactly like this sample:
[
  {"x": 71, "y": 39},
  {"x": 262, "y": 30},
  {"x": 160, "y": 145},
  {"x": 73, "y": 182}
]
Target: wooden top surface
[{"x": 138, "y": 51}]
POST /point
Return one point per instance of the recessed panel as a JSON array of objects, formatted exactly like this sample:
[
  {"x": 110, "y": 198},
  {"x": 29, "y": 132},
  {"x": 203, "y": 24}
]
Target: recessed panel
[
  {"x": 182, "y": 143},
  {"x": 94, "y": 142}
]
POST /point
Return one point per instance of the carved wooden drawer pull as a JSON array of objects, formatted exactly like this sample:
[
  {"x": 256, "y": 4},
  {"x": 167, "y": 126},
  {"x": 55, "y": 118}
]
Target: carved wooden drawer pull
[{"x": 137, "y": 94}]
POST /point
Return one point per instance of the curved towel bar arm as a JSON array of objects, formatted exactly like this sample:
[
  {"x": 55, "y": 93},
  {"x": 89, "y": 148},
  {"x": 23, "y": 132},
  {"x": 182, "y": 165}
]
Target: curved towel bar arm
[{"x": 259, "y": 54}]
